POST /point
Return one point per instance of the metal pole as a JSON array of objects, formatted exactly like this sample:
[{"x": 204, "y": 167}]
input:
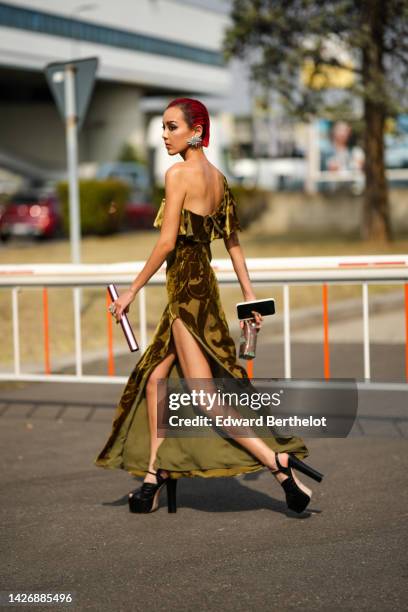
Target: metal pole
[
  {"x": 72, "y": 157},
  {"x": 312, "y": 158},
  {"x": 366, "y": 332},
  {"x": 77, "y": 295},
  {"x": 74, "y": 204},
  {"x": 286, "y": 332},
  {"x": 16, "y": 333}
]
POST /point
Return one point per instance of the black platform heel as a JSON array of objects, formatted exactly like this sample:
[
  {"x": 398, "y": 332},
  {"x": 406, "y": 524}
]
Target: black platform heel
[
  {"x": 297, "y": 494},
  {"x": 297, "y": 464},
  {"x": 146, "y": 498}
]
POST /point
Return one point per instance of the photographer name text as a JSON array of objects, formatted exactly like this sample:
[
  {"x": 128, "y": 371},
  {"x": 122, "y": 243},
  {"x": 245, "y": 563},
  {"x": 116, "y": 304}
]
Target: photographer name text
[{"x": 259, "y": 421}]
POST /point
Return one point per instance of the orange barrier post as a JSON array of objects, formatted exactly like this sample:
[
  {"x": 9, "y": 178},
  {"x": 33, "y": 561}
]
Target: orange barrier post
[
  {"x": 111, "y": 363},
  {"x": 326, "y": 354},
  {"x": 250, "y": 368},
  {"x": 406, "y": 330},
  {"x": 46, "y": 332}
]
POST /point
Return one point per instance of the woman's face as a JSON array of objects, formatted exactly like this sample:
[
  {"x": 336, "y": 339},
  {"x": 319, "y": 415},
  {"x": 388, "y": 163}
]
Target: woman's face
[
  {"x": 341, "y": 133},
  {"x": 176, "y": 131}
]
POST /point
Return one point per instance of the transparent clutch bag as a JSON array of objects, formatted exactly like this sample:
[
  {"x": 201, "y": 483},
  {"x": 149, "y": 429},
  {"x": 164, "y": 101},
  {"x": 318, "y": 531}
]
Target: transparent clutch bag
[{"x": 247, "y": 340}]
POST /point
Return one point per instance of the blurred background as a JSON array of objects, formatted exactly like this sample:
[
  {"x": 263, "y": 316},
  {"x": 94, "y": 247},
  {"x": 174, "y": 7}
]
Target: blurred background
[
  {"x": 308, "y": 123},
  {"x": 308, "y": 102},
  {"x": 151, "y": 52}
]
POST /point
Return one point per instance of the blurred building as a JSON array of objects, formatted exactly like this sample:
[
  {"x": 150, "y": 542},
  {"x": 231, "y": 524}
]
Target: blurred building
[{"x": 150, "y": 51}]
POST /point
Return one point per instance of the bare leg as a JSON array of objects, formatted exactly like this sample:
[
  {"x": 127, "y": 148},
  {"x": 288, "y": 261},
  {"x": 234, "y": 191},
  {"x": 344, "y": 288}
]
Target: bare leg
[
  {"x": 194, "y": 364},
  {"x": 160, "y": 371}
]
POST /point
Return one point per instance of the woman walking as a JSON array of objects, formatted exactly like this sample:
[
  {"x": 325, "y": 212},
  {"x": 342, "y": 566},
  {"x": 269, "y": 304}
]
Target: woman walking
[{"x": 192, "y": 338}]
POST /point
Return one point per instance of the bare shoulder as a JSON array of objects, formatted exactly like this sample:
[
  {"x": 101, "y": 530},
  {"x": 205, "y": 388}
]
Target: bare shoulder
[
  {"x": 174, "y": 182},
  {"x": 175, "y": 188},
  {"x": 177, "y": 170},
  {"x": 190, "y": 173},
  {"x": 191, "y": 179}
]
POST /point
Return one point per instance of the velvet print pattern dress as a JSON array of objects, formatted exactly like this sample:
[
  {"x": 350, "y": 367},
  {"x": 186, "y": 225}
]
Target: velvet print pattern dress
[{"x": 193, "y": 295}]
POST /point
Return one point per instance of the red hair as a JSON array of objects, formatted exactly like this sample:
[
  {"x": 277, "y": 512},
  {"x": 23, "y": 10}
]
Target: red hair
[{"x": 195, "y": 113}]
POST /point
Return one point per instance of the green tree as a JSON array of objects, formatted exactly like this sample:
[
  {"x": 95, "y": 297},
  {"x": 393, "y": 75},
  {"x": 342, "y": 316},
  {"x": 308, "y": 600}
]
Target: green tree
[
  {"x": 130, "y": 153},
  {"x": 279, "y": 38}
]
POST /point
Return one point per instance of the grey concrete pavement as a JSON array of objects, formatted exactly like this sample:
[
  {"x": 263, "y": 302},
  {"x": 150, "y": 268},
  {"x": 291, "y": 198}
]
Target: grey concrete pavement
[{"x": 232, "y": 545}]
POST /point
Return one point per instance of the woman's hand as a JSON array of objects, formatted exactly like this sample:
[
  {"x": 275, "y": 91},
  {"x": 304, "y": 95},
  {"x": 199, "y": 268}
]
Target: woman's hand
[
  {"x": 258, "y": 317},
  {"x": 121, "y": 305}
]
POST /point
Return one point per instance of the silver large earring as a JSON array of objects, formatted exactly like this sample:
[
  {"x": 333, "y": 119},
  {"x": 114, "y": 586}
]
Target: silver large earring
[{"x": 195, "y": 141}]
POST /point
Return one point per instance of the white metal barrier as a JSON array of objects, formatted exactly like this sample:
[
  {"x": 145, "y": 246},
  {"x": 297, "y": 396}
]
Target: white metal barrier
[{"x": 362, "y": 270}]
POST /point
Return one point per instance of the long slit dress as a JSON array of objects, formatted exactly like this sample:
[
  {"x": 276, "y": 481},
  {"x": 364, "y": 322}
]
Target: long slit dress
[{"x": 193, "y": 296}]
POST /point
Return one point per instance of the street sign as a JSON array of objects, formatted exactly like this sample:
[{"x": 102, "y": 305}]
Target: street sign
[
  {"x": 84, "y": 71},
  {"x": 71, "y": 84}
]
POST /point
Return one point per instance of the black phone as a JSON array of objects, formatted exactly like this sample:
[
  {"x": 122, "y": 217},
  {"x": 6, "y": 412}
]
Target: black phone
[{"x": 264, "y": 307}]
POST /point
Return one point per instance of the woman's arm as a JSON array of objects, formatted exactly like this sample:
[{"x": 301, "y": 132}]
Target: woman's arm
[
  {"x": 174, "y": 194},
  {"x": 238, "y": 261}
]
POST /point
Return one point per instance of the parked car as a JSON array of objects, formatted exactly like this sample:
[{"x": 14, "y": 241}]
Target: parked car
[
  {"x": 139, "y": 212},
  {"x": 30, "y": 214},
  {"x": 133, "y": 173}
]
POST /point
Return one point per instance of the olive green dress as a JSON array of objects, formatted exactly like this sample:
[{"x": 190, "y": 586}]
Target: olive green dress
[{"x": 193, "y": 295}]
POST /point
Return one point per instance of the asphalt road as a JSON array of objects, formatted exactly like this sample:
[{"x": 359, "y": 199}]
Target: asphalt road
[{"x": 232, "y": 545}]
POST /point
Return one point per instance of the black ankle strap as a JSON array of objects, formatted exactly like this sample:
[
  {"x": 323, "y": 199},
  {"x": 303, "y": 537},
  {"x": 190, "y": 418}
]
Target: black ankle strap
[{"x": 278, "y": 463}]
